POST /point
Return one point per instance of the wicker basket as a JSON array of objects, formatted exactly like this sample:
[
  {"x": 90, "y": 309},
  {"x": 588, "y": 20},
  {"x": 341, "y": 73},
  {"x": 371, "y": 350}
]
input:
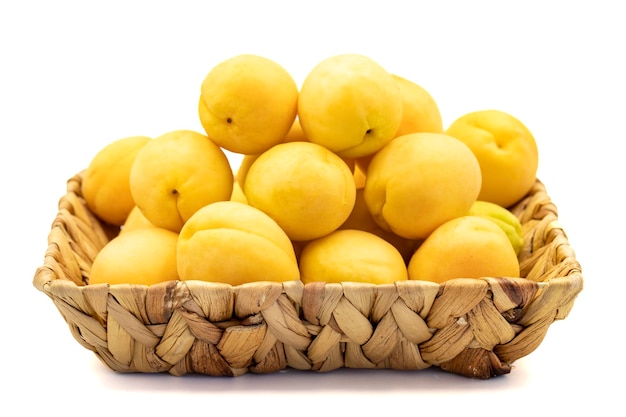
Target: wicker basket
[{"x": 471, "y": 327}]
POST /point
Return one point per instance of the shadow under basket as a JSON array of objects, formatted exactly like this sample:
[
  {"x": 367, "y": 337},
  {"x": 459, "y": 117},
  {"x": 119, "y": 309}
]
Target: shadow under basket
[{"x": 472, "y": 327}]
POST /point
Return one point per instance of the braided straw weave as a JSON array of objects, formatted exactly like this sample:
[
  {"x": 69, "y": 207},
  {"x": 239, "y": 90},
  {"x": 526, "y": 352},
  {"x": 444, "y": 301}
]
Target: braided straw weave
[{"x": 471, "y": 327}]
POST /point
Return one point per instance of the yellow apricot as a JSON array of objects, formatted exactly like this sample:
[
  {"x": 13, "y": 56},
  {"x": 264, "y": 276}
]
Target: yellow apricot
[
  {"x": 234, "y": 243},
  {"x": 420, "y": 112},
  {"x": 248, "y": 103},
  {"x": 464, "y": 247},
  {"x": 307, "y": 189},
  {"x": 349, "y": 104},
  {"x": 244, "y": 166},
  {"x": 238, "y": 194},
  {"x": 361, "y": 219},
  {"x": 359, "y": 175},
  {"x": 419, "y": 181},
  {"x": 505, "y": 219},
  {"x": 351, "y": 256},
  {"x": 177, "y": 173},
  {"x": 295, "y": 134},
  {"x": 141, "y": 256},
  {"x": 135, "y": 220},
  {"x": 506, "y": 150},
  {"x": 106, "y": 186}
]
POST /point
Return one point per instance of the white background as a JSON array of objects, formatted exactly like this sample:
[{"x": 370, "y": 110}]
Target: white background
[{"x": 76, "y": 75}]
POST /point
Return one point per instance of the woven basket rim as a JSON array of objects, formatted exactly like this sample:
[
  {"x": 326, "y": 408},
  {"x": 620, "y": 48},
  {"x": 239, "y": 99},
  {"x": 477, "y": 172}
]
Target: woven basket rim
[{"x": 44, "y": 276}]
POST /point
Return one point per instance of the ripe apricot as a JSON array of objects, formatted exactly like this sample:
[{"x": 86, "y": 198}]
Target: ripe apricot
[
  {"x": 307, "y": 189},
  {"x": 419, "y": 181},
  {"x": 506, "y": 150},
  {"x": 350, "y": 255},
  {"x": 234, "y": 243},
  {"x": 464, "y": 247},
  {"x": 349, "y": 104},
  {"x": 143, "y": 256},
  {"x": 106, "y": 184},
  {"x": 248, "y": 103}
]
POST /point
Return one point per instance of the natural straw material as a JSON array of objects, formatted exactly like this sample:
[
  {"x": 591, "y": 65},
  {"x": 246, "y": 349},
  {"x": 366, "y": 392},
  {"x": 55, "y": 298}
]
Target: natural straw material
[{"x": 472, "y": 327}]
